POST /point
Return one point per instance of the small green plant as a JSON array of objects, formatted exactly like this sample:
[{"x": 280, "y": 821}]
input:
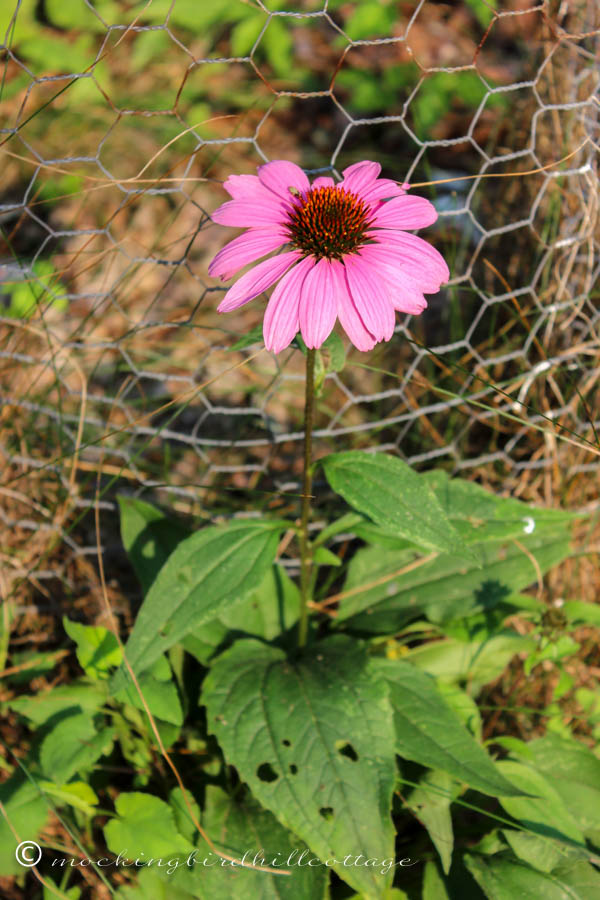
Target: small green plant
[{"x": 40, "y": 289}]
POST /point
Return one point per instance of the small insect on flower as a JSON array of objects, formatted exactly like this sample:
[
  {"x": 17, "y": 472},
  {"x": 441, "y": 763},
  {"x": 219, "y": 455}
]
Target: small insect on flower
[{"x": 348, "y": 253}]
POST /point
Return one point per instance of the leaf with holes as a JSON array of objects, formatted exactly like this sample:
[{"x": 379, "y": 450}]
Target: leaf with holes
[
  {"x": 313, "y": 738},
  {"x": 212, "y": 570},
  {"x": 388, "y": 491}
]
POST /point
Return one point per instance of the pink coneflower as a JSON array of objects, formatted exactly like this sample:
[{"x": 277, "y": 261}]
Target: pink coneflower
[{"x": 349, "y": 252}]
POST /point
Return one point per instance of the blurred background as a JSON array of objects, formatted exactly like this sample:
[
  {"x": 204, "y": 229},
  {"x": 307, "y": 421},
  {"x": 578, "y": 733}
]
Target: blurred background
[{"x": 120, "y": 121}]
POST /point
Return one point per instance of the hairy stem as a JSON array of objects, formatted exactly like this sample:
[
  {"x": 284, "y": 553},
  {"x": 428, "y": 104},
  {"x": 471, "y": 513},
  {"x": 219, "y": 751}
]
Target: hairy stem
[{"x": 305, "y": 549}]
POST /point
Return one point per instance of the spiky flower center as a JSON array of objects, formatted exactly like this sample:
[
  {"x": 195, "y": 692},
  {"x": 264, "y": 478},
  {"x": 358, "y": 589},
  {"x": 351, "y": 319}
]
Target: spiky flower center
[{"x": 328, "y": 222}]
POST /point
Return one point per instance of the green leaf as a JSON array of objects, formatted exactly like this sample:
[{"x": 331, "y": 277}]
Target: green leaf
[
  {"x": 429, "y": 732},
  {"x": 543, "y": 813},
  {"x": 243, "y": 829},
  {"x": 463, "y": 705},
  {"x": 144, "y": 828},
  {"x": 73, "y": 746},
  {"x": 540, "y": 853},
  {"x": 482, "y": 11},
  {"x": 161, "y": 697},
  {"x": 388, "y": 491},
  {"x": 75, "y": 697},
  {"x": 149, "y": 538},
  {"x": 313, "y": 738},
  {"x": 244, "y": 35},
  {"x": 505, "y": 879},
  {"x": 369, "y": 19},
  {"x": 70, "y": 14},
  {"x": 254, "y": 336},
  {"x": 77, "y": 794},
  {"x": 444, "y": 588},
  {"x": 576, "y": 611},
  {"x": 212, "y": 570},
  {"x": 151, "y": 886},
  {"x": 336, "y": 352},
  {"x": 478, "y": 662},
  {"x": 480, "y": 515},
  {"x": 279, "y": 48},
  {"x": 98, "y": 650},
  {"x": 267, "y": 613},
  {"x": 27, "y": 811},
  {"x": 434, "y": 887},
  {"x": 430, "y": 802},
  {"x": 324, "y": 557},
  {"x": 574, "y": 772},
  {"x": 72, "y": 893}
]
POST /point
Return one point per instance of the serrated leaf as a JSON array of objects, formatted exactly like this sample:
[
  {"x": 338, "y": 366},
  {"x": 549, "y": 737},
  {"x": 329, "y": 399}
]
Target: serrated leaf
[
  {"x": 243, "y": 829},
  {"x": 150, "y": 886},
  {"x": 134, "y": 832},
  {"x": 313, "y": 739},
  {"x": 73, "y": 746},
  {"x": 98, "y": 650},
  {"x": 429, "y": 732},
  {"x": 388, "y": 491},
  {"x": 215, "y": 568}
]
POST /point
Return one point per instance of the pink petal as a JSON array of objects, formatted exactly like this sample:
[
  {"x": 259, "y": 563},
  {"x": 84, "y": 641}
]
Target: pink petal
[
  {"x": 405, "y": 293},
  {"x": 245, "y": 249},
  {"x": 348, "y": 314},
  {"x": 318, "y": 304},
  {"x": 281, "y": 322},
  {"x": 251, "y": 213},
  {"x": 370, "y": 297},
  {"x": 360, "y": 175},
  {"x": 245, "y": 187},
  {"x": 257, "y": 280},
  {"x": 382, "y": 189},
  {"x": 279, "y": 176},
  {"x": 410, "y": 254},
  {"x": 405, "y": 212},
  {"x": 363, "y": 176},
  {"x": 323, "y": 181}
]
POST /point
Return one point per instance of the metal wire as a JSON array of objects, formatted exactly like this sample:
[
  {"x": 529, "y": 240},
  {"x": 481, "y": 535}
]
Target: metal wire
[{"x": 125, "y": 361}]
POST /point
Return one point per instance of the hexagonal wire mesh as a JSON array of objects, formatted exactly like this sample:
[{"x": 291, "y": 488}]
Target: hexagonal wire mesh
[{"x": 119, "y": 121}]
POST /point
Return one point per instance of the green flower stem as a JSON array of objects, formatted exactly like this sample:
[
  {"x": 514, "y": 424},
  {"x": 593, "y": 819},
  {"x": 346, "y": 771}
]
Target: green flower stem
[{"x": 305, "y": 548}]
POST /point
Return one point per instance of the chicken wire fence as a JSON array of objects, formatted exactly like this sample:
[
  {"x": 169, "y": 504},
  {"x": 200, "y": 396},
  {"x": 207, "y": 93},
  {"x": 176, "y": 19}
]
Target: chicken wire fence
[{"x": 120, "y": 120}]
